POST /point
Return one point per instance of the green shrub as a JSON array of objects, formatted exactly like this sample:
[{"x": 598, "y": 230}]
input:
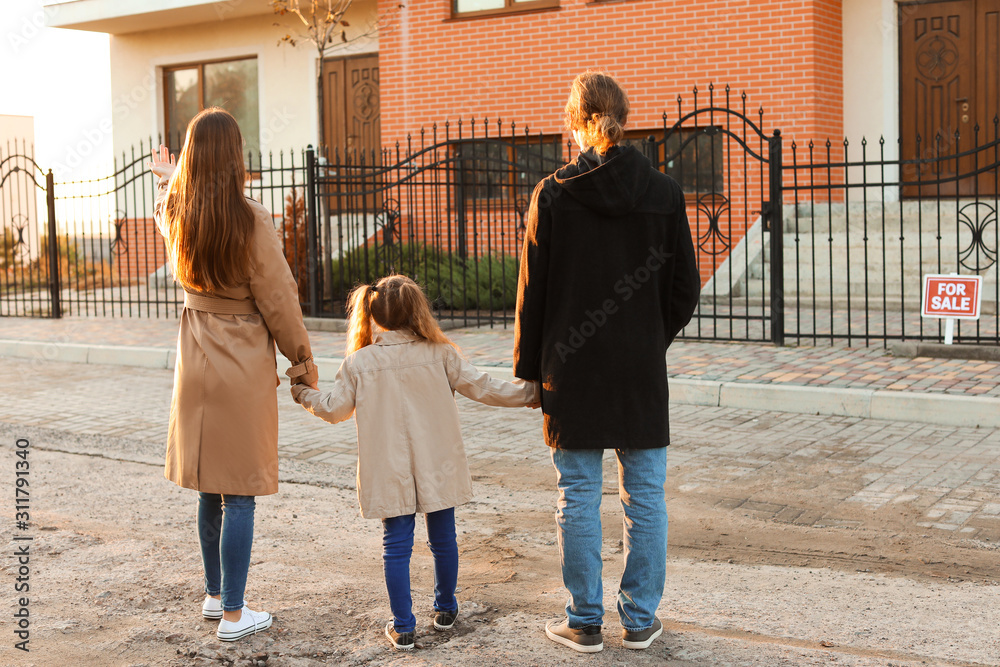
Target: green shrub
[{"x": 450, "y": 282}]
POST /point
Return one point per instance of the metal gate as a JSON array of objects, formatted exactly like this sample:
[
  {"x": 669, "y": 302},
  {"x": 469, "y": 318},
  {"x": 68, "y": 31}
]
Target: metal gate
[
  {"x": 730, "y": 172},
  {"x": 447, "y": 209},
  {"x": 29, "y": 263}
]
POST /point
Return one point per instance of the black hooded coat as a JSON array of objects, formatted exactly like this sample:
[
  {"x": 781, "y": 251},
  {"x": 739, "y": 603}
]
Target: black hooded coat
[{"x": 608, "y": 278}]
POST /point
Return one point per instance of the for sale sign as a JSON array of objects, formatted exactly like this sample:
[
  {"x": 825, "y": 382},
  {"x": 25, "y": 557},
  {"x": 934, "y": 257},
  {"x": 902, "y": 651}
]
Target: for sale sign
[{"x": 951, "y": 296}]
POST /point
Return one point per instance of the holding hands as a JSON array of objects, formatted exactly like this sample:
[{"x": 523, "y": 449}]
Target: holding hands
[{"x": 162, "y": 163}]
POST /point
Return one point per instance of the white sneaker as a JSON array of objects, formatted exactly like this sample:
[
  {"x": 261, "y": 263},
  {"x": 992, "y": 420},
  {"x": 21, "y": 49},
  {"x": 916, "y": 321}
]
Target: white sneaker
[
  {"x": 212, "y": 608},
  {"x": 250, "y": 623}
]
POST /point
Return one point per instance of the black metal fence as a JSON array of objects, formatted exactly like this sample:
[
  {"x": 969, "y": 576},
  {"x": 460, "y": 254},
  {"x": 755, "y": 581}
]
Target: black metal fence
[
  {"x": 797, "y": 244},
  {"x": 860, "y": 229}
]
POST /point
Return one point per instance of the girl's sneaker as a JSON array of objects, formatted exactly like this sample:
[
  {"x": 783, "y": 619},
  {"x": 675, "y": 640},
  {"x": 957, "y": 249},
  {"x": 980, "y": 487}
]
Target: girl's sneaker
[
  {"x": 445, "y": 620},
  {"x": 400, "y": 641}
]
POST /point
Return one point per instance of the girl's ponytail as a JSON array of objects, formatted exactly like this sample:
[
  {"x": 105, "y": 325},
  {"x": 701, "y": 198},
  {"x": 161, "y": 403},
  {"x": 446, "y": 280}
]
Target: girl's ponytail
[
  {"x": 417, "y": 312},
  {"x": 359, "y": 318},
  {"x": 394, "y": 302}
]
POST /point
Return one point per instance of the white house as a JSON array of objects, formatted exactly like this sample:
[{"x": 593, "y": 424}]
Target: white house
[{"x": 171, "y": 58}]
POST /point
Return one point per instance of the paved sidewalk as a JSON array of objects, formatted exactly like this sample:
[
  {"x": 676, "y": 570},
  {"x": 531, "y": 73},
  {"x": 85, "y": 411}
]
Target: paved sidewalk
[
  {"x": 857, "y": 382},
  {"x": 829, "y": 467},
  {"x": 792, "y": 487}
]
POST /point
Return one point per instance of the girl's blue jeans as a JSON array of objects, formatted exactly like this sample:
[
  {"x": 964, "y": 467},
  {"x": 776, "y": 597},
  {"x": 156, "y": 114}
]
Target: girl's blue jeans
[
  {"x": 397, "y": 547},
  {"x": 642, "y": 474},
  {"x": 225, "y": 529}
]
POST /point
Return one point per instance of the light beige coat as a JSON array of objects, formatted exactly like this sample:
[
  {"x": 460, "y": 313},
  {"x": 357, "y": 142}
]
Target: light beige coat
[
  {"x": 410, "y": 452},
  {"x": 223, "y": 434}
]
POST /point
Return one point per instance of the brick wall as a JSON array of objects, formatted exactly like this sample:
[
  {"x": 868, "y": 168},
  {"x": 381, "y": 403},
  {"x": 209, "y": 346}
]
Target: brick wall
[
  {"x": 786, "y": 54},
  {"x": 144, "y": 251}
]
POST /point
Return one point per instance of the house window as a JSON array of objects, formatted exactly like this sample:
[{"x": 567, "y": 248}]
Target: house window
[
  {"x": 506, "y": 168},
  {"x": 692, "y": 156},
  {"x": 230, "y": 84},
  {"x": 463, "y": 8}
]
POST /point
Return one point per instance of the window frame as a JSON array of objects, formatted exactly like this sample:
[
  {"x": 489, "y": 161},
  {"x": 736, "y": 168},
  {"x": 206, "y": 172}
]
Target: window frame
[
  {"x": 510, "y": 7},
  {"x": 200, "y": 65},
  {"x": 508, "y": 187},
  {"x": 658, "y": 133}
]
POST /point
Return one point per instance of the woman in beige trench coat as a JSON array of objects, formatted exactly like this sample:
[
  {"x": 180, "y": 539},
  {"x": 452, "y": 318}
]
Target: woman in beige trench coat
[{"x": 240, "y": 299}]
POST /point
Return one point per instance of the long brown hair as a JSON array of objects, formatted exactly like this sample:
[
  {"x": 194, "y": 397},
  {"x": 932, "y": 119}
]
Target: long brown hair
[
  {"x": 209, "y": 221},
  {"x": 598, "y": 106},
  {"x": 394, "y": 302}
]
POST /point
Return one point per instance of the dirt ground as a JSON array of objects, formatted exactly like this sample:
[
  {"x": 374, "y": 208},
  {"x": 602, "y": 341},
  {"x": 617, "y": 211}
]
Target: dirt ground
[{"x": 116, "y": 575}]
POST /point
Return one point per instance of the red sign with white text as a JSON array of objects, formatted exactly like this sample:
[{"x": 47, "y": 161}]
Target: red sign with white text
[{"x": 951, "y": 296}]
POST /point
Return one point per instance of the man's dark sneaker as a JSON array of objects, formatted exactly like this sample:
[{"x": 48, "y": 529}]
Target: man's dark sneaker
[
  {"x": 587, "y": 639},
  {"x": 400, "y": 642},
  {"x": 642, "y": 638},
  {"x": 445, "y": 620}
]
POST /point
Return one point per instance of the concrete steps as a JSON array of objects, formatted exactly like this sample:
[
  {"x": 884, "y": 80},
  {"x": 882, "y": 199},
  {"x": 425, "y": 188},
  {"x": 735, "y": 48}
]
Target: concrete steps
[{"x": 825, "y": 249}]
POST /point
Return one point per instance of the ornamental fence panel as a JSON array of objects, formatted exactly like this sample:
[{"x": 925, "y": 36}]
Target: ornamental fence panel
[{"x": 796, "y": 244}]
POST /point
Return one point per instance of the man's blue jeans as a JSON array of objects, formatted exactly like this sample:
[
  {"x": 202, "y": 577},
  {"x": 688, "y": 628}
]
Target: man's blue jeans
[
  {"x": 397, "y": 547},
  {"x": 225, "y": 529},
  {"x": 642, "y": 474}
]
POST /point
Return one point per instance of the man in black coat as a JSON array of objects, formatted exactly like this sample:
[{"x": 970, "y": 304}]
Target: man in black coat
[{"x": 608, "y": 278}]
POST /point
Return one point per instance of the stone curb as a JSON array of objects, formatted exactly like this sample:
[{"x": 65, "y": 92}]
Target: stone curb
[{"x": 937, "y": 408}]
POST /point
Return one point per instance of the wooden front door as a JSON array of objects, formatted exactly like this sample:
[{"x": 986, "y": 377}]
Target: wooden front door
[
  {"x": 351, "y": 101},
  {"x": 351, "y": 130},
  {"x": 948, "y": 82}
]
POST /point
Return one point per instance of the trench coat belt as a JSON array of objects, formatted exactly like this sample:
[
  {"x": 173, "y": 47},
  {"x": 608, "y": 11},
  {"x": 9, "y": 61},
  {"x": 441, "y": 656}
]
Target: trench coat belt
[{"x": 211, "y": 304}]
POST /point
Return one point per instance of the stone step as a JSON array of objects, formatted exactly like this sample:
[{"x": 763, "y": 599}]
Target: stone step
[
  {"x": 909, "y": 216},
  {"x": 885, "y": 260}
]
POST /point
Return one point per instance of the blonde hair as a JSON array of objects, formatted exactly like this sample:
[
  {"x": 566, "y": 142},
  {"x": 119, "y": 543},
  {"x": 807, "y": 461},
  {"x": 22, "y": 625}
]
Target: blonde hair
[
  {"x": 394, "y": 302},
  {"x": 598, "y": 107},
  {"x": 209, "y": 221}
]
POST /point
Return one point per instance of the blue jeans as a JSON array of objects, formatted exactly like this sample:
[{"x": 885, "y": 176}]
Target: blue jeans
[
  {"x": 642, "y": 474},
  {"x": 225, "y": 529},
  {"x": 397, "y": 547}
]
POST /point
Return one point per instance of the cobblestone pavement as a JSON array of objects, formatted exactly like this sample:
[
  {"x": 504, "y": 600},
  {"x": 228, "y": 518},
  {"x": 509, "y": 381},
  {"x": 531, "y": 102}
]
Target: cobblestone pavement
[
  {"x": 858, "y": 367},
  {"x": 949, "y": 476}
]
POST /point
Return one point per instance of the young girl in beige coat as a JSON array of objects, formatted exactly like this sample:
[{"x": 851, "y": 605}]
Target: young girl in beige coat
[{"x": 401, "y": 381}]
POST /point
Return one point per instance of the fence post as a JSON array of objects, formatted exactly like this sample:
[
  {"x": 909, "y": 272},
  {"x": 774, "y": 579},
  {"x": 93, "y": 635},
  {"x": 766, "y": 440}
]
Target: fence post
[
  {"x": 54, "y": 284},
  {"x": 311, "y": 264},
  {"x": 777, "y": 221}
]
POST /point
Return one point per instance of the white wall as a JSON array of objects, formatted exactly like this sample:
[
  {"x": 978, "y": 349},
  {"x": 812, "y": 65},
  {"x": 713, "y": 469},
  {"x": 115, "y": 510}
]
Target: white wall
[
  {"x": 871, "y": 85},
  {"x": 16, "y": 128},
  {"x": 286, "y": 75}
]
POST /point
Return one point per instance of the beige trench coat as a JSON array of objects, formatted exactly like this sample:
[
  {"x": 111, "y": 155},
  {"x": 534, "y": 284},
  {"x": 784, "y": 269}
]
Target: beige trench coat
[
  {"x": 410, "y": 452},
  {"x": 223, "y": 434}
]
